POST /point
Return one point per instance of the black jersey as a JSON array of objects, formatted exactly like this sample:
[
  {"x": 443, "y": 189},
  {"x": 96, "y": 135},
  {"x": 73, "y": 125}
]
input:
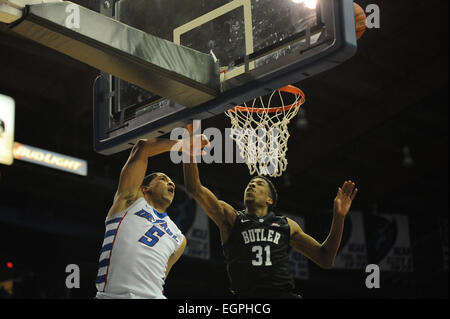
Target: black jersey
[{"x": 257, "y": 254}]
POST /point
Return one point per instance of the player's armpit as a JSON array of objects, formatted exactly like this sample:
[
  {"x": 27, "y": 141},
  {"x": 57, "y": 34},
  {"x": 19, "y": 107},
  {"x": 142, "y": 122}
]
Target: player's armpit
[
  {"x": 122, "y": 202},
  {"x": 307, "y": 246},
  {"x": 229, "y": 214}
]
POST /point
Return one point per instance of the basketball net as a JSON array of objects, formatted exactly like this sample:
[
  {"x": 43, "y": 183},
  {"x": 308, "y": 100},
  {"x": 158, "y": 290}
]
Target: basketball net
[{"x": 261, "y": 130}]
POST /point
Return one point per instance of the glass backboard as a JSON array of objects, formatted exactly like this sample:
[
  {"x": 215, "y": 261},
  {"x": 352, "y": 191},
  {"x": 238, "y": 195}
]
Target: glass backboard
[{"x": 259, "y": 45}]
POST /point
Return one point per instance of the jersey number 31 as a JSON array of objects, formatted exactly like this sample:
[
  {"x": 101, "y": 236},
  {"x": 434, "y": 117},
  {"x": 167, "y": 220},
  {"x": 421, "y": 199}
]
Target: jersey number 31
[{"x": 259, "y": 256}]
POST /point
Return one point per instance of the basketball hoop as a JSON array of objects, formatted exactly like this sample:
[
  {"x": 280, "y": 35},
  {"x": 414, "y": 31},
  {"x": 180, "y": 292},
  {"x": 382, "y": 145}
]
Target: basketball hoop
[{"x": 261, "y": 130}]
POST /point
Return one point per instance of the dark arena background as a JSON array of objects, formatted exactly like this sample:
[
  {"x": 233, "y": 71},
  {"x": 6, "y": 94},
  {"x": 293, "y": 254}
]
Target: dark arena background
[{"x": 379, "y": 119}]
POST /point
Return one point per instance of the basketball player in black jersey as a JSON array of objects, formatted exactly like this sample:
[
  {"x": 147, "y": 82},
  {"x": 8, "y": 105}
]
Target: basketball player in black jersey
[{"x": 256, "y": 241}]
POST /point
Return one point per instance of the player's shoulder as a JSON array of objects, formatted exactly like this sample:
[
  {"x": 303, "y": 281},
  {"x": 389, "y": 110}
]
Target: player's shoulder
[
  {"x": 293, "y": 225},
  {"x": 240, "y": 213},
  {"x": 227, "y": 208},
  {"x": 225, "y": 204},
  {"x": 278, "y": 216},
  {"x": 120, "y": 208},
  {"x": 282, "y": 220}
]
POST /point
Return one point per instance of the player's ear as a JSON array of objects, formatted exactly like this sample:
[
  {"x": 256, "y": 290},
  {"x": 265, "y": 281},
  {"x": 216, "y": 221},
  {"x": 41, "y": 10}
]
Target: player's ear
[
  {"x": 269, "y": 201},
  {"x": 145, "y": 189}
]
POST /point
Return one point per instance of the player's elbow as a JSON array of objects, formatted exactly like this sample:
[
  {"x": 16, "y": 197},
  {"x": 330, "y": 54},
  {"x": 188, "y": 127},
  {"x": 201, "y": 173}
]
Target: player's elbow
[
  {"x": 139, "y": 147},
  {"x": 326, "y": 258},
  {"x": 142, "y": 149},
  {"x": 327, "y": 265},
  {"x": 183, "y": 246},
  {"x": 324, "y": 263}
]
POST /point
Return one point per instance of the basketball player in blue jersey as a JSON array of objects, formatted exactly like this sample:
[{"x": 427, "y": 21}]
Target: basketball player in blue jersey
[
  {"x": 141, "y": 242},
  {"x": 256, "y": 241}
]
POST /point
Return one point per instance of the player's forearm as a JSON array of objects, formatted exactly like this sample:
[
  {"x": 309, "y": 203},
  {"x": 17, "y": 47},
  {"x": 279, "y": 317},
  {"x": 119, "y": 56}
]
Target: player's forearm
[
  {"x": 156, "y": 146},
  {"x": 191, "y": 178},
  {"x": 331, "y": 244}
]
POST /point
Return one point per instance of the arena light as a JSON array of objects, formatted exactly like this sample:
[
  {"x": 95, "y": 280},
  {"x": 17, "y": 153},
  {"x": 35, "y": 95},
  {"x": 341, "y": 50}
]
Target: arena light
[
  {"x": 50, "y": 159},
  {"x": 310, "y": 4},
  {"x": 7, "y": 110}
]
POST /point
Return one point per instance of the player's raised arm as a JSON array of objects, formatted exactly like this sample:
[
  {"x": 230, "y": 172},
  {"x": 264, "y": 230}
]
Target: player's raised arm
[
  {"x": 325, "y": 253},
  {"x": 307, "y": 246},
  {"x": 341, "y": 207},
  {"x": 133, "y": 172},
  {"x": 221, "y": 213}
]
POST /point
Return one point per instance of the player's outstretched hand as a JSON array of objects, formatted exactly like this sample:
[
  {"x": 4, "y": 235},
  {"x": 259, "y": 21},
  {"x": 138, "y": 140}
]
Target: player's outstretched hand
[
  {"x": 344, "y": 198},
  {"x": 194, "y": 143}
]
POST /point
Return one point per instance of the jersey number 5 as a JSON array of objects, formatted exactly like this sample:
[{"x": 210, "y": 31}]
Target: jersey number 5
[
  {"x": 259, "y": 256},
  {"x": 152, "y": 236}
]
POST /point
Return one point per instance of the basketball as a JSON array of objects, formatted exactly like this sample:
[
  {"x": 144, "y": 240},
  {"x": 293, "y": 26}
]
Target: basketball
[{"x": 360, "y": 21}]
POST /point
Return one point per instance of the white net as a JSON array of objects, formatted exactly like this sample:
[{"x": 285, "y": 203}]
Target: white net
[{"x": 261, "y": 130}]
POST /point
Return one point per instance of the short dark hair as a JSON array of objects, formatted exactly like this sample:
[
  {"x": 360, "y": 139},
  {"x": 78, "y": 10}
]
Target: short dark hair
[
  {"x": 273, "y": 190},
  {"x": 148, "y": 179}
]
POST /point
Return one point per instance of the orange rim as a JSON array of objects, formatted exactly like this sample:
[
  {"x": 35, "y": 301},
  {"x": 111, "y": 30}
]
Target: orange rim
[{"x": 288, "y": 89}]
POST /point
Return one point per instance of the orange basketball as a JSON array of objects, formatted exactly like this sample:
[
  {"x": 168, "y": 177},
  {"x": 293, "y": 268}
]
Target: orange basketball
[{"x": 360, "y": 20}]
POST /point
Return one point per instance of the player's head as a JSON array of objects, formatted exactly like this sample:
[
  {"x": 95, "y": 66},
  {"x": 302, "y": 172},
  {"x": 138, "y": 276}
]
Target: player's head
[
  {"x": 158, "y": 187},
  {"x": 260, "y": 192}
]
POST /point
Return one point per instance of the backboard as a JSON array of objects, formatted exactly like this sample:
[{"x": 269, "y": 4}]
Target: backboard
[{"x": 259, "y": 45}]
